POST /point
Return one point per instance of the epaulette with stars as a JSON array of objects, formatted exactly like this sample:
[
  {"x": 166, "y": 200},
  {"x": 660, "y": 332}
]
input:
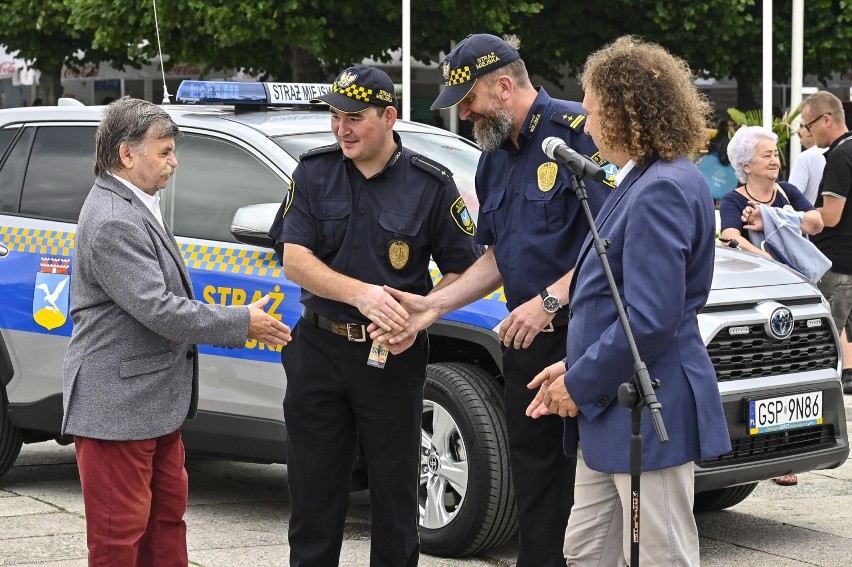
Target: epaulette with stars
[
  {"x": 573, "y": 120},
  {"x": 320, "y": 150},
  {"x": 433, "y": 167}
]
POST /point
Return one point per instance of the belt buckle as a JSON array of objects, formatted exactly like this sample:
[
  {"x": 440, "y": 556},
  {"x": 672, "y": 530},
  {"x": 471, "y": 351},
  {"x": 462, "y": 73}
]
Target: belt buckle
[
  {"x": 359, "y": 336},
  {"x": 548, "y": 328}
]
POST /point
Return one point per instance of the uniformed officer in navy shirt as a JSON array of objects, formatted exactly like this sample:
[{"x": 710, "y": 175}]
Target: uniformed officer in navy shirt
[
  {"x": 533, "y": 224},
  {"x": 361, "y": 213}
]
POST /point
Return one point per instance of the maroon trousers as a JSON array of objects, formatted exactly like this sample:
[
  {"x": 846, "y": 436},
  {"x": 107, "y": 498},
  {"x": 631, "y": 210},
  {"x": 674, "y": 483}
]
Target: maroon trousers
[{"x": 135, "y": 494}]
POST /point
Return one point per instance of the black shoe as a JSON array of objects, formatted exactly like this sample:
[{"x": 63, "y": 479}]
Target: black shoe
[{"x": 847, "y": 382}]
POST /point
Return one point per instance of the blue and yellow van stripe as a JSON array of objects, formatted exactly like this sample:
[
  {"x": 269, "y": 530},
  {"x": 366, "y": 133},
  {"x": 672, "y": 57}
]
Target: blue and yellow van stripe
[
  {"x": 222, "y": 259},
  {"x": 260, "y": 263},
  {"x": 35, "y": 241},
  {"x": 200, "y": 257}
]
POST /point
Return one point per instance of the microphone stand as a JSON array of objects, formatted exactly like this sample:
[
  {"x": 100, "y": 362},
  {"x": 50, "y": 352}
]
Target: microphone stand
[{"x": 636, "y": 393}]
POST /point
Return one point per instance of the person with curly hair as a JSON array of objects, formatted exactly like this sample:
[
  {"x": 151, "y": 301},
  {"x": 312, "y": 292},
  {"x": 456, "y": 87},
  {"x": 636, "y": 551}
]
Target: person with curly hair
[{"x": 645, "y": 116}]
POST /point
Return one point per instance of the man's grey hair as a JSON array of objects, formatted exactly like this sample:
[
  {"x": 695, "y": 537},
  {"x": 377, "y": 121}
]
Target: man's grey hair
[
  {"x": 742, "y": 145},
  {"x": 129, "y": 121},
  {"x": 517, "y": 69}
]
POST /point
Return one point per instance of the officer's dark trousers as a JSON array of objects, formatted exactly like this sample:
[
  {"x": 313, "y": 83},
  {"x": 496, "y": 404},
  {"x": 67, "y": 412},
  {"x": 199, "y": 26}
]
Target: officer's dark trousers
[
  {"x": 543, "y": 475},
  {"x": 333, "y": 400}
]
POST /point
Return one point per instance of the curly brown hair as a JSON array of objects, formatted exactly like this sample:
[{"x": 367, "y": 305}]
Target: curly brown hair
[{"x": 648, "y": 103}]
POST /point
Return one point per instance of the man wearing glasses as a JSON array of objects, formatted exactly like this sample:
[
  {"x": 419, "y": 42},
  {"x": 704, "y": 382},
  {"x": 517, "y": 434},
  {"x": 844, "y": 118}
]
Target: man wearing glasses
[
  {"x": 823, "y": 118},
  {"x": 806, "y": 171}
]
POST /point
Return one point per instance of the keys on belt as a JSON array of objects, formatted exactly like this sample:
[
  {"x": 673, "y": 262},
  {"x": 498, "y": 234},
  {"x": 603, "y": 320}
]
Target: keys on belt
[{"x": 354, "y": 332}]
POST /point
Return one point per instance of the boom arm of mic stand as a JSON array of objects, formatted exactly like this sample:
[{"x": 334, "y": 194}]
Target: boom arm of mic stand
[{"x": 641, "y": 391}]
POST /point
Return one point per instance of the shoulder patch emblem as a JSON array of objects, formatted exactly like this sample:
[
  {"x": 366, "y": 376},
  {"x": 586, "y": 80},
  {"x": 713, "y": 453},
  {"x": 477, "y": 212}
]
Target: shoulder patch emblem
[
  {"x": 610, "y": 169},
  {"x": 569, "y": 119},
  {"x": 462, "y": 218},
  {"x": 288, "y": 198},
  {"x": 432, "y": 167},
  {"x": 547, "y": 175}
]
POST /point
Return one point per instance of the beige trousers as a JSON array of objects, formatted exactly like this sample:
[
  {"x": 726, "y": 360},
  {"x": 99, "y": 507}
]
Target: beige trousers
[{"x": 598, "y": 532}]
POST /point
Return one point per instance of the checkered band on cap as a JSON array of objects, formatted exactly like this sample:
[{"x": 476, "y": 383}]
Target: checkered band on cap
[
  {"x": 458, "y": 76},
  {"x": 353, "y": 91}
]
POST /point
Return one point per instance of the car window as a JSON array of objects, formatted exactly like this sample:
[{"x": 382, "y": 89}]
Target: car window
[
  {"x": 6, "y": 136},
  {"x": 12, "y": 169},
  {"x": 59, "y": 174},
  {"x": 213, "y": 179},
  {"x": 456, "y": 154}
]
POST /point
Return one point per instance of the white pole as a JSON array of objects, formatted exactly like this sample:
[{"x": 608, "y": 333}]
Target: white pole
[
  {"x": 767, "y": 64},
  {"x": 406, "y": 59},
  {"x": 454, "y": 111},
  {"x": 796, "y": 69}
]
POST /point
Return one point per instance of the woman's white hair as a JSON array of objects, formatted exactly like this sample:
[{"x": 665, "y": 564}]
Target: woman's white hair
[{"x": 742, "y": 145}]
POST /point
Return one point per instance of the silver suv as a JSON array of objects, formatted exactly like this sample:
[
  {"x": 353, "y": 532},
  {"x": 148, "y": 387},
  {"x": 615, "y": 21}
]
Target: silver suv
[{"x": 768, "y": 331}]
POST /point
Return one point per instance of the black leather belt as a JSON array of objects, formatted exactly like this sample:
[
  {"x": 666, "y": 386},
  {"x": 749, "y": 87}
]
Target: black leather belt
[
  {"x": 355, "y": 332},
  {"x": 559, "y": 320}
]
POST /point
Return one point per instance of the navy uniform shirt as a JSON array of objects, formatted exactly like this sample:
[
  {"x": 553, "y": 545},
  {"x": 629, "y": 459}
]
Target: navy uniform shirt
[
  {"x": 528, "y": 211},
  {"x": 380, "y": 230}
]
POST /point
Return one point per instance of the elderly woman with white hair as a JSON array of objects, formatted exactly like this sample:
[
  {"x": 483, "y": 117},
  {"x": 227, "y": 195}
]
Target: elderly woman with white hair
[{"x": 753, "y": 152}]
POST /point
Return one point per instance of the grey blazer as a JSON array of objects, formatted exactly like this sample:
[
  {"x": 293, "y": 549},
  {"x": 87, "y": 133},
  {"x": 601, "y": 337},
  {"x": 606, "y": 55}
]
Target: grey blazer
[{"x": 131, "y": 369}]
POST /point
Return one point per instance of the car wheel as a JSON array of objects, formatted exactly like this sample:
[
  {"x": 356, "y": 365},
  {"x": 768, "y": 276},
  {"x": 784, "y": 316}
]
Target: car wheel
[
  {"x": 467, "y": 503},
  {"x": 10, "y": 437},
  {"x": 714, "y": 500}
]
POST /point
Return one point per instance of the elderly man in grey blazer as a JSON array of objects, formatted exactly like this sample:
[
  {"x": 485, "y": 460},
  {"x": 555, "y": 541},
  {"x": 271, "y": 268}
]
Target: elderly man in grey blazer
[{"x": 131, "y": 369}]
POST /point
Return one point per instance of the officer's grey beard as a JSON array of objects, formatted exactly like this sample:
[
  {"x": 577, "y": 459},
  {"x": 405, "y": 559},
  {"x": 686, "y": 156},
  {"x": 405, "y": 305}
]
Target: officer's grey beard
[{"x": 491, "y": 132}]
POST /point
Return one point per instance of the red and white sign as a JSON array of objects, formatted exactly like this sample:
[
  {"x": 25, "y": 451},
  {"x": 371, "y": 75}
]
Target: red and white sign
[{"x": 9, "y": 65}]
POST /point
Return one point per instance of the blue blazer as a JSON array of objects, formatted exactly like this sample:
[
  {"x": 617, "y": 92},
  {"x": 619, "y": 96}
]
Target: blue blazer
[{"x": 661, "y": 223}]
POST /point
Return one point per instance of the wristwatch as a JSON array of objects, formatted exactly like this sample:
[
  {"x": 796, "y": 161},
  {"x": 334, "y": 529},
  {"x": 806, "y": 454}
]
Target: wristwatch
[{"x": 549, "y": 302}]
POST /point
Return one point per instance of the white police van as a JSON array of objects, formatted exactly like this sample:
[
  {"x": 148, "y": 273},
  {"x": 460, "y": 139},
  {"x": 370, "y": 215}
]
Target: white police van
[{"x": 768, "y": 330}]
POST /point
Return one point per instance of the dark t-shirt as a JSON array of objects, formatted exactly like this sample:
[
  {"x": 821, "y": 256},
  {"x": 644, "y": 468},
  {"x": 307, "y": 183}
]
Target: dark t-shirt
[
  {"x": 836, "y": 241},
  {"x": 732, "y": 204}
]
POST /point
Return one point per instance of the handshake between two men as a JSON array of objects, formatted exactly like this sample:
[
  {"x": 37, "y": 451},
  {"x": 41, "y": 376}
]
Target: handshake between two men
[{"x": 404, "y": 314}]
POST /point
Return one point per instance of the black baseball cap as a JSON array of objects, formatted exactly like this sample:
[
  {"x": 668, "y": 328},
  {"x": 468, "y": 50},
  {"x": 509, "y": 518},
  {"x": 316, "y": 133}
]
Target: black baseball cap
[
  {"x": 474, "y": 56},
  {"x": 358, "y": 88}
]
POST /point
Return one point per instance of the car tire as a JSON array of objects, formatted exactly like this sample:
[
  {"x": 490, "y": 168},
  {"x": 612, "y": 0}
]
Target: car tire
[
  {"x": 715, "y": 500},
  {"x": 467, "y": 503},
  {"x": 10, "y": 437}
]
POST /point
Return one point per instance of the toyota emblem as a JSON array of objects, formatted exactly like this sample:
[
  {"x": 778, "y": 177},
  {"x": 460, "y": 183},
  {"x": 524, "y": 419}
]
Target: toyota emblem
[{"x": 780, "y": 325}]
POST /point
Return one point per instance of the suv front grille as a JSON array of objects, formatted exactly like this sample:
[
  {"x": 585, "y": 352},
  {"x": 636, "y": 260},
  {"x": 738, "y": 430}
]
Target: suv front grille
[
  {"x": 771, "y": 445},
  {"x": 754, "y": 354}
]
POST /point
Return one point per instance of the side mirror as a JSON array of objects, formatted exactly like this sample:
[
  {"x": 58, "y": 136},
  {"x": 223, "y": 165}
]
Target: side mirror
[
  {"x": 252, "y": 223},
  {"x": 3, "y": 250}
]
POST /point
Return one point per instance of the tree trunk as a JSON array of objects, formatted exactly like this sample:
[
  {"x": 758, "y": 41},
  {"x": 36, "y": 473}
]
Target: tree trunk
[
  {"x": 50, "y": 86},
  {"x": 307, "y": 68},
  {"x": 745, "y": 91}
]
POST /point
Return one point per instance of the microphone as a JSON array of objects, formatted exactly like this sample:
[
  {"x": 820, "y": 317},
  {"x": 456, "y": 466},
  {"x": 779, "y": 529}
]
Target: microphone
[{"x": 580, "y": 165}]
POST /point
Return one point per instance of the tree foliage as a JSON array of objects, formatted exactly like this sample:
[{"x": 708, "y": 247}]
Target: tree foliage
[
  {"x": 310, "y": 40},
  {"x": 39, "y": 31},
  {"x": 266, "y": 37}
]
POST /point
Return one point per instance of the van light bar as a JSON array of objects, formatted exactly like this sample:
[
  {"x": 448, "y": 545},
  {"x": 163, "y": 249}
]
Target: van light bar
[{"x": 233, "y": 92}]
